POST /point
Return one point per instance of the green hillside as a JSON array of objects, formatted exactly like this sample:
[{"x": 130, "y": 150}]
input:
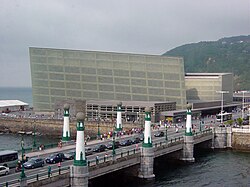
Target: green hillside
[{"x": 225, "y": 55}]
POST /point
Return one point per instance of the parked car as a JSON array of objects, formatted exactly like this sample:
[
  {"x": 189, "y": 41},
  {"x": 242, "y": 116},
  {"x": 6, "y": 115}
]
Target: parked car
[
  {"x": 88, "y": 151},
  {"x": 141, "y": 136},
  {"x": 55, "y": 158},
  {"x": 126, "y": 142},
  {"x": 99, "y": 148},
  {"x": 4, "y": 170},
  {"x": 159, "y": 134},
  {"x": 69, "y": 155},
  {"x": 136, "y": 140},
  {"x": 110, "y": 145},
  {"x": 34, "y": 163}
]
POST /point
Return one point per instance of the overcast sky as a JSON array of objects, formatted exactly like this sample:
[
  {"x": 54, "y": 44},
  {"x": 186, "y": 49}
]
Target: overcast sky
[{"x": 135, "y": 26}]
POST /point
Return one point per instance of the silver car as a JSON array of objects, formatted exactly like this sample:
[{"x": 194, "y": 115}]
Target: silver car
[{"x": 4, "y": 170}]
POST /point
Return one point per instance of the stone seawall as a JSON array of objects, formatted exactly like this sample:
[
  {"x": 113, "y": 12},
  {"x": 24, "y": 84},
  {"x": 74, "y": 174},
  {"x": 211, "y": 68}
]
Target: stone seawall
[
  {"x": 54, "y": 127},
  {"x": 241, "y": 139}
]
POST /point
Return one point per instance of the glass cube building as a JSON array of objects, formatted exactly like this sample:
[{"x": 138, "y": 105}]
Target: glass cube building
[{"x": 60, "y": 74}]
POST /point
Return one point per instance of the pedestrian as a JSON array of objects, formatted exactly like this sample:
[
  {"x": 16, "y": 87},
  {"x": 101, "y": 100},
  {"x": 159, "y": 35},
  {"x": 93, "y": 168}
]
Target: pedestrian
[
  {"x": 49, "y": 171},
  {"x": 59, "y": 164},
  {"x": 97, "y": 159},
  {"x": 136, "y": 147}
]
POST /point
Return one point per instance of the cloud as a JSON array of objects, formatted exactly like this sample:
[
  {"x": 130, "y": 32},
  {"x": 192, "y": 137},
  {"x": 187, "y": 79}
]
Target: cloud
[{"x": 142, "y": 26}]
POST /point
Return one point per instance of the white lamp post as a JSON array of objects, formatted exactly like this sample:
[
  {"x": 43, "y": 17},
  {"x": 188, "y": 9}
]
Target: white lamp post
[
  {"x": 222, "y": 92},
  {"x": 243, "y": 100}
]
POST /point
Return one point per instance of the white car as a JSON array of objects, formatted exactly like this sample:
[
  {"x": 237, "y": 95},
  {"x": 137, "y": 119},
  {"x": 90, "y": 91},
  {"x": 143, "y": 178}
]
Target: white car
[{"x": 4, "y": 170}]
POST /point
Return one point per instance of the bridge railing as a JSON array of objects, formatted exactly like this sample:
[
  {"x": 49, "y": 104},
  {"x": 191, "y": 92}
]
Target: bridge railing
[{"x": 37, "y": 177}]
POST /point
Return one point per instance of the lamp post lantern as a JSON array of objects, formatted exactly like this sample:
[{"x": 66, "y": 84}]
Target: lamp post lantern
[
  {"x": 22, "y": 175},
  {"x": 222, "y": 92}
]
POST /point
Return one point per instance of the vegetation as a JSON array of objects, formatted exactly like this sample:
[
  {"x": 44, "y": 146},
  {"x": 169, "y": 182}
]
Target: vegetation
[{"x": 225, "y": 55}]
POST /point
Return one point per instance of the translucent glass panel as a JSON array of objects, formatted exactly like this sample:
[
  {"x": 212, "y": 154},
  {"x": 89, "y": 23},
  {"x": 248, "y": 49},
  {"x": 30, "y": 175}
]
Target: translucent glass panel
[
  {"x": 125, "y": 89},
  {"x": 87, "y": 63},
  {"x": 155, "y": 91},
  {"x": 119, "y": 96},
  {"x": 106, "y": 88},
  {"x": 172, "y": 84},
  {"x": 57, "y": 92},
  {"x": 138, "y": 74},
  {"x": 40, "y": 83},
  {"x": 105, "y": 79},
  {"x": 89, "y": 86},
  {"x": 154, "y": 75},
  {"x": 173, "y": 92},
  {"x": 138, "y": 82},
  {"x": 122, "y": 81},
  {"x": 39, "y": 67},
  {"x": 38, "y": 59},
  {"x": 121, "y": 73},
  {"x": 120, "y": 65},
  {"x": 70, "y": 69},
  {"x": 37, "y": 51},
  {"x": 40, "y": 91},
  {"x": 139, "y": 97},
  {"x": 72, "y": 77},
  {"x": 105, "y": 95},
  {"x": 141, "y": 90},
  {"x": 53, "y": 68},
  {"x": 155, "y": 83},
  {"x": 156, "y": 98},
  {"x": 171, "y": 76},
  {"x": 73, "y": 93},
  {"x": 55, "y": 76},
  {"x": 41, "y": 75},
  {"x": 57, "y": 84},
  {"x": 104, "y": 72},
  {"x": 43, "y": 99},
  {"x": 87, "y": 70},
  {"x": 73, "y": 85},
  {"x": 90, "y": 95},
  {"x": 88, "y": 79}
]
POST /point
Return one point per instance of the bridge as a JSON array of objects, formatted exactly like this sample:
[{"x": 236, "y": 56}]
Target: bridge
[
  {"x": 125, "y": 158},
  {"x": 82, "y": 169}
]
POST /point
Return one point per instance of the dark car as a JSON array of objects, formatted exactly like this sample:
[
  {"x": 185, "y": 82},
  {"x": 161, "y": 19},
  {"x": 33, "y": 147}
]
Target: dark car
[
  {"x": 126, "y": 142},
  {"x": 99, "y": 148},
  {"x": 69, "y": 155},
  {"x": 110, "y": 145},
  {"x": 159, "y": 134},
  {"x": 136, "y": 140},
  {"x": 55, "y": 158},
  {"x": 34, "y": 163},
  {"x": 88, "y": 151}
]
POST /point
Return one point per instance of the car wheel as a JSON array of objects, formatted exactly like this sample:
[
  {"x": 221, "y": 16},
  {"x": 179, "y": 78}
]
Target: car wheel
[
  {"x": 54, "y": 162},
  {"x": 32, "y": 167},
  {"x": 42, "y": 164},
  {"x": 6, "y": 173}
]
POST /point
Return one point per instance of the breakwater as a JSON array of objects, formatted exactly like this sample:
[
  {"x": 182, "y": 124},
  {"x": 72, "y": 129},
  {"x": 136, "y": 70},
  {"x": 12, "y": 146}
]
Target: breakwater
[{"x": 54, "y": 127}]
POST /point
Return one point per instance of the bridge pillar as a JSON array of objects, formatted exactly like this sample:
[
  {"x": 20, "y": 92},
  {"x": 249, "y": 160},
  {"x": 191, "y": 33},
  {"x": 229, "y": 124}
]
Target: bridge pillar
[
  {"x": 188, "y": 146},
  {"x": 146, "y": 170},
  {"x": 79, "y": 171},
  {"x": 66, "y": 131},
  {"x": 119, "y": 117},
  {"x": 222, "y": 137}
]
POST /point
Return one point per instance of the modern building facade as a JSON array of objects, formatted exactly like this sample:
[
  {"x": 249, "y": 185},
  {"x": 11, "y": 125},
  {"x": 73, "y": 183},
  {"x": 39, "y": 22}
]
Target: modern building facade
[
  {"x": 61, "y": 74},
  {"x": 205, "y": 86}
]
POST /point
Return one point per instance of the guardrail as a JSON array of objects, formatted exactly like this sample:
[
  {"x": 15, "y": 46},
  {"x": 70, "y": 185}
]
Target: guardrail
[{"x": 36, "y": 177}]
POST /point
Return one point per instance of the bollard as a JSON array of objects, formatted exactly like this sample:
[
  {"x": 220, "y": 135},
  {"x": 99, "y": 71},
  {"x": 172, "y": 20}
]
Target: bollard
[
  {"x": 37, "y": 178},
  {"x": 59, "y": 171},
  {"x": 171, "y": 140},
  {"x": 104, "y": 159},
  {"x": 134, "y": 151},
  {"x": 7, "y": 184},
  {"x": 160, "y": 143},
  {"x": 88, "y": 163}
]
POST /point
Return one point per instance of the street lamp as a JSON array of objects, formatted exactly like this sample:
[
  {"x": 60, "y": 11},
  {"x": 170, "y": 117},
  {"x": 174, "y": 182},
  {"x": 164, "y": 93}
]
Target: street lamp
[
  {"x": 34, "y": 136},
  {"x": 166, "y": 132},
  {"x": 113, "y": 151},
  {"x": 222, "y": 92},
  {"x": 243, "y": 100},
  {"x": 22, "y": 176},
  {"x": 98, "y": 127}
]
